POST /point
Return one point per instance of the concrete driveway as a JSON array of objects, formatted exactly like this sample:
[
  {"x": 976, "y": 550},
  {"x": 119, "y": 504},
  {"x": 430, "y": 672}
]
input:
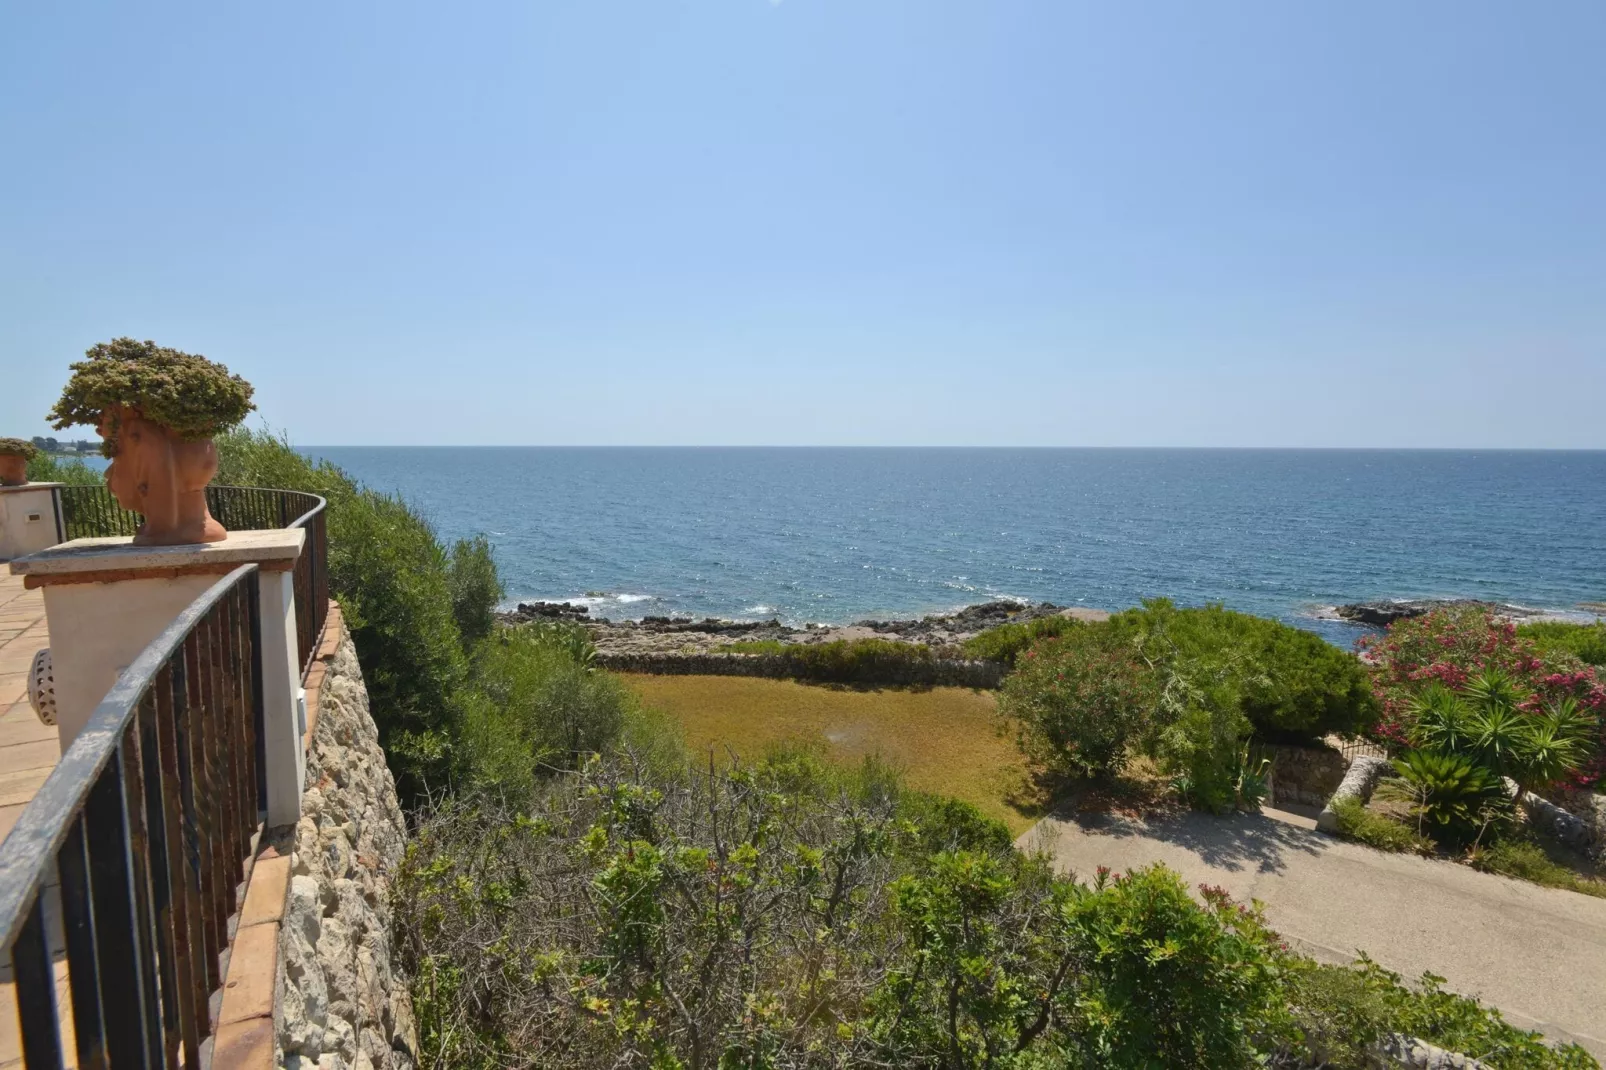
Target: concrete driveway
[{"x": 1538, "y": 954}]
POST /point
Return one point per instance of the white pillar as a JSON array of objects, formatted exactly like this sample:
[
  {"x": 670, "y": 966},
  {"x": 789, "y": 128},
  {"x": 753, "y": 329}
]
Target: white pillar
[
  {"x": 27, "y": 519},
  {"x": 281, "y": 693},
  {"x": 106, "y": 600}
]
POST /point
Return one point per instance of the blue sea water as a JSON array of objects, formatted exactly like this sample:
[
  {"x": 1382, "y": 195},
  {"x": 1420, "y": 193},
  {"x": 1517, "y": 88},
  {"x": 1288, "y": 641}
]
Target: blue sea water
[{"x": 836, "y": 535}]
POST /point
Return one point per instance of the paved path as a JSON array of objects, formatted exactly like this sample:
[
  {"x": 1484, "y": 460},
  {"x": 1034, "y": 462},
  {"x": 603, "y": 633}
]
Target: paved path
[{"x": 1538, "y": 954}]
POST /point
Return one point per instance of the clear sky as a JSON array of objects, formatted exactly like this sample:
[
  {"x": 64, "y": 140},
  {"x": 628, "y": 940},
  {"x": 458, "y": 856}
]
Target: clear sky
[{"x": 1365, "y": 223}]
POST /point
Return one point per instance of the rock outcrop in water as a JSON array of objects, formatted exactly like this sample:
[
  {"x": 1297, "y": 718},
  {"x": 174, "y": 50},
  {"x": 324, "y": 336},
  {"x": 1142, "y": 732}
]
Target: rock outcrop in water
[{"x": 1382, "y": 614}]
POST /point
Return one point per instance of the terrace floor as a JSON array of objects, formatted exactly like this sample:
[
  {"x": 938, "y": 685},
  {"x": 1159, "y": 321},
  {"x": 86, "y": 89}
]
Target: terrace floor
[{"x": 28, "y": 752}]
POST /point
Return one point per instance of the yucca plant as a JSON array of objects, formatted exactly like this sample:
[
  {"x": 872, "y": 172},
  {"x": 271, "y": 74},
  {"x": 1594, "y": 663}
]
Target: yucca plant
[{"x": 1454, "y": 797}]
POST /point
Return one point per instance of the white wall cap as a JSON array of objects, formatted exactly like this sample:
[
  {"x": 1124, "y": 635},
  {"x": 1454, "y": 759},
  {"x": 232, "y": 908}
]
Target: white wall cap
[{"x": 118, "y": 554}]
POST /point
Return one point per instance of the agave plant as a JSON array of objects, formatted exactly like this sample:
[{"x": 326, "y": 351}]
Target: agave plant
[
  {"x": 1454, "y": 797},
  {"x": 1441, "y": 720}
]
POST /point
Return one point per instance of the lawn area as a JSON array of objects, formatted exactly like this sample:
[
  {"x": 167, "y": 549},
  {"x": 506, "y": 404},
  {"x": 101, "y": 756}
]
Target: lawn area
[{"x": 944, "y": 739}]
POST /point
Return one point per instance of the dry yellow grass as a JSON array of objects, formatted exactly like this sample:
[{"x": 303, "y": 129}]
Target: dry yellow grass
[{"x": 944, "y": 739}]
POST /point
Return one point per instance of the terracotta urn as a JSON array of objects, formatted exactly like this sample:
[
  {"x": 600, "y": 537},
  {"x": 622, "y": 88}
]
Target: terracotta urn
[
  {"x": 163, "y": 477},
  {"x": 13, "y": 469}
]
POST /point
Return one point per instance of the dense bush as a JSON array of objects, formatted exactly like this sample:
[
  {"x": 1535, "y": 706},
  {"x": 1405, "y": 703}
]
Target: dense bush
[
  {"x": 788, "y": 915},
  {"x": 1079, "y": 705},
  {"x": 1007, "y": 642},
  {"x": 535, "y": 705},
  {"x": 1290, "y": 682},
  {"x": 43, "y": 468},
  {"x": 392, "y": 578},
  {"x": 1344, "y": 1012},
  {"x": 1586, "y": 642},
  {"x": 847, "y": 661},
  {"x": 18, "y": 447},
  {"x": 476, "y": 587},
  {"x": 1451, "y": 648},
  {"x": 1186, "y": 686}
]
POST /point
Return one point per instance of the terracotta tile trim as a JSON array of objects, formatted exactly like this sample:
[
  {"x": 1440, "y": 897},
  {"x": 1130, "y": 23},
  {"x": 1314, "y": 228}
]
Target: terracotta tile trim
[{"x": 334, "y": 630}]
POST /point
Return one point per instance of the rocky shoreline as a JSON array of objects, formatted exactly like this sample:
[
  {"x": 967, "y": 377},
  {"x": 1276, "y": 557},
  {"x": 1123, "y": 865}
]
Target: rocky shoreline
[
  {"x": 659, "y": 635},
  {"x": 1383, "y": 613}
]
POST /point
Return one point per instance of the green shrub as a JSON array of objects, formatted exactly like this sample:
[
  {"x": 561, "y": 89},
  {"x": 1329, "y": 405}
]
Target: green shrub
[
  {"x": 1203, "y": 736},
  {"x": 847, "y": 661},
  {"x": 1166, "y": 982},
  {"x": 1586, "y": 642},
  {"x": 1007, "y": 642},
  {"x": 1291, "y": 683},
  {"x": 43, "y": 468},
  {"x": 791, "y": 914},
  {"x": 391, "y": 577},
  {"x": 1356, "y": 822},
  {"x": 476, "y": 587},
  {"x": 1526, "y": 860},
  {"x": 1343, "y": 1012},
  {"x": 534, "y": 706},
  {"x": 1078, "y": 705}
]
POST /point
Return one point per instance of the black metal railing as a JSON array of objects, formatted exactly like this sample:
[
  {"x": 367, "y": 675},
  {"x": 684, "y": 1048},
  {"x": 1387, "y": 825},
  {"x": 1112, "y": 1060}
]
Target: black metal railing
[
  {"x": 90, "y": 511},
  {"x": 148, "y": 820}
]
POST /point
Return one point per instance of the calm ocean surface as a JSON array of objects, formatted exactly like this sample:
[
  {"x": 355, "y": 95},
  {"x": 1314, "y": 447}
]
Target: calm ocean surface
[{"x": 836, "y": 535}]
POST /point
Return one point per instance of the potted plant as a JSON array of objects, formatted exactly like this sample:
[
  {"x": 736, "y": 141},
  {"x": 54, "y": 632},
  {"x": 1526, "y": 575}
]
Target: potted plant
[
  {"x": 156, "y": 410},
  {"x": 15, "y": 453}
]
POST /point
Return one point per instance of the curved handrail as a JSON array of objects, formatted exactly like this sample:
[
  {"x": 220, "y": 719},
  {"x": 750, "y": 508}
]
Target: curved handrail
[{"x": 29, "y": 851}]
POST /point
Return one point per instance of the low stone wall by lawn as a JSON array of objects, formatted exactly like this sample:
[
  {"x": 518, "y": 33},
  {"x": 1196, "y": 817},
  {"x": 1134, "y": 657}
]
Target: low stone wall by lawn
[{"x": 936, "y": 672}]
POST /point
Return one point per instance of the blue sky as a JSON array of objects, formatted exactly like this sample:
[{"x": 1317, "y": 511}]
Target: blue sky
[{"x": 824, "y": 221}]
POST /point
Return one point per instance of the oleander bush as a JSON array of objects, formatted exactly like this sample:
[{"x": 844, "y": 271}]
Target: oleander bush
[{"x": 1458, "y": 647}]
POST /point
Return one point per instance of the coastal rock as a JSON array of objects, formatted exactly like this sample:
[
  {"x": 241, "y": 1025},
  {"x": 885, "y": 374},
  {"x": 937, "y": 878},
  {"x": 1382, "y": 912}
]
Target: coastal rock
[
  {"x": 529, "y": 611},
  {"x": 1381, "y": 614},
  {"x": 657, "y": 636}
]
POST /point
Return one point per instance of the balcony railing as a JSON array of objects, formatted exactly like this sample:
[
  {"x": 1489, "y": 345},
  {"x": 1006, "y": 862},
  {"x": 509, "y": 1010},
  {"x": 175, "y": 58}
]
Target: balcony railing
[
  {"x": 91, "y": 512},
  {"x": 147, "y": 820}
]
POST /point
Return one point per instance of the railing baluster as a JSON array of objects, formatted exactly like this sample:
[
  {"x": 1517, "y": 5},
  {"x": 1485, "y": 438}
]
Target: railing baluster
[
  {"x": 159, "y": 874},
  {"x": 182, "y": 863},
  {"x": 197, "y": 801},
  {"x": 135, "y": 809},
  {"x": 111, "y": 879},
  {"x": 78, "y": 926},
  {"x": 36, "y": 992}
]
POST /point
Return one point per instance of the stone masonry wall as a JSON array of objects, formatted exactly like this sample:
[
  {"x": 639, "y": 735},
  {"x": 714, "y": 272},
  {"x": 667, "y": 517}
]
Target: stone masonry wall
[{"x": 342, "y": 1005}]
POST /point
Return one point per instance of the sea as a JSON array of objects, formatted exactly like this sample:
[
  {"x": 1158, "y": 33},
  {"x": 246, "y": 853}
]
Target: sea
[{"x": 839, "y": 535}]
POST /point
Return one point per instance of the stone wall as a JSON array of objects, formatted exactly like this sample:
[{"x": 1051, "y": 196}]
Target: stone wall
[
  {"x": 1307, "y": 776},
  {"x": 939, "y": 672},
  {"x": 341, "y": 1003}
]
